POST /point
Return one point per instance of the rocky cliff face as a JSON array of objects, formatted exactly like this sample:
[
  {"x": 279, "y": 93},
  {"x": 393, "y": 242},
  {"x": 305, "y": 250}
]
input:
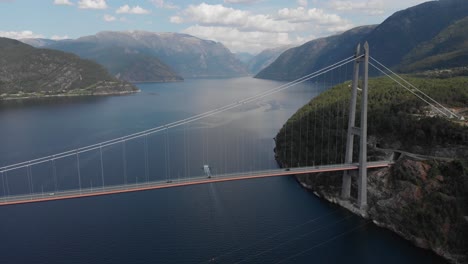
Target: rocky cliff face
[
  {"x": 423, "y": 196},
  {"x": 29, "y": 72},
  {"x": 423, "y": 201}
]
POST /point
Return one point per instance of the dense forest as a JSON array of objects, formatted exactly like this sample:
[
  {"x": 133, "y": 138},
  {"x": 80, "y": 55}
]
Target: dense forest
[
  {"x": 316, "y": 133},
  {"x": 424, "y": 200},
  {"x": 30, "y": 72}
]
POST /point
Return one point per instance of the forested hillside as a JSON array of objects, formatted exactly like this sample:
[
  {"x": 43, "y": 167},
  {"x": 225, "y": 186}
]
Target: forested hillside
[
  {"x": 422, "y": 199},
  {"x": 26, "y": 71}
]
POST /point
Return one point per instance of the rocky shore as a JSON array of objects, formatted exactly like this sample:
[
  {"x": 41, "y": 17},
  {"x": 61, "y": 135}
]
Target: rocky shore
[{"x": 421, "y": 200}]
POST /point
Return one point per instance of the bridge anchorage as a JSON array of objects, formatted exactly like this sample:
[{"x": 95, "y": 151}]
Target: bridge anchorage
[{"x": 358, "y": 131}]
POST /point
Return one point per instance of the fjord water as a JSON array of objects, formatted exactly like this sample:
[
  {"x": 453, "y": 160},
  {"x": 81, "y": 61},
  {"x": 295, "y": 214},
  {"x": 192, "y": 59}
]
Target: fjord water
[{"x": 271, "y": 220}]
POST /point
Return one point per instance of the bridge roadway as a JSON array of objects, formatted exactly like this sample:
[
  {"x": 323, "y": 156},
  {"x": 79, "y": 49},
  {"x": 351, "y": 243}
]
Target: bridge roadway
[{"x": 115, "y": 189}]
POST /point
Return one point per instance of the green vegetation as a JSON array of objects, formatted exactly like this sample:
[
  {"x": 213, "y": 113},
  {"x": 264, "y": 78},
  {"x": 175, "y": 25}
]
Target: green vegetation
[
  {"x": 128, "y": 65},
  {"x": 29, "y": 72},
  {"x": 427, "y": 36},
  {"x": 396, "y": 119},
  {"x": 449, "y": 49},
  {"x": 426, "y": 201}
]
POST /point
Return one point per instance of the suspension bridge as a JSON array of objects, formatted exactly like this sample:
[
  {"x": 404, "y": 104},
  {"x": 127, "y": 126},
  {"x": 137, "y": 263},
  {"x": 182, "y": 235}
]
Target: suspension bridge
[{"x": 38, "y": 180}]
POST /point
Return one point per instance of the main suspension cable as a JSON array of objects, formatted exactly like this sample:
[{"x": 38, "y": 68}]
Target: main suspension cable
[{"x": 180, "y": 122}]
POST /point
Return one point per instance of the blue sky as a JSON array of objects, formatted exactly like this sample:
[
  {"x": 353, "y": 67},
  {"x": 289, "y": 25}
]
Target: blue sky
[{"x": 242, "y": 25}]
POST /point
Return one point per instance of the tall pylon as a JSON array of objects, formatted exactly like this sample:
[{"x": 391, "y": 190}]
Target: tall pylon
[{"x": 358, "y": 131}]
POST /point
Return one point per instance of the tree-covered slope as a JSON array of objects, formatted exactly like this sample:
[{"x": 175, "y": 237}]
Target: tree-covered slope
[
  {"x": 423, "y": 199},
  {"x": 29, "y": 72},
  {"x": 396, "y": 119}
]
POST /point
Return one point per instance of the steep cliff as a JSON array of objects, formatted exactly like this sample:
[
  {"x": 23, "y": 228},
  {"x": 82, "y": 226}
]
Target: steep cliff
[{"x": 424, "y": 201}]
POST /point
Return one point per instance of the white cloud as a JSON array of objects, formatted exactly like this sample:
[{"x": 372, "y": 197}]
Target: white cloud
[
  {"x": 315, "y": 15},
  {"x": 240, "y": 1},
  {"x": 136, "y": 10},
  {"x": 20, "y": 34},
  {"x": 176, "y": 20},
  {"x": 164, "y": 4},
  {"x": 92, "y": 4},
  {"x": 109, "y": 18},
  {"x": 218, "y": 15},
  {"x": 243, "y": 30},
  {"x": 62, "y": 2},
  {"x": 56, "y": 37},
  {"x": 241, "y": 41},
  {"x": 302, "y": 3},
  {"x": 371, "y": 7}
]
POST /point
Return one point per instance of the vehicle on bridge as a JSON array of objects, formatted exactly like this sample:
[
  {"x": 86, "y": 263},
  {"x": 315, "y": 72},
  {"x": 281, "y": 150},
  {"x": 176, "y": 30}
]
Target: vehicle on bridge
[{"x": 206, "y": 169}]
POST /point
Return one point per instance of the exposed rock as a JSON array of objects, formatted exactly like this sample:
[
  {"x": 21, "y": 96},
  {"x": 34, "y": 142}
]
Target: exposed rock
[{"x": 412, "y": 199}]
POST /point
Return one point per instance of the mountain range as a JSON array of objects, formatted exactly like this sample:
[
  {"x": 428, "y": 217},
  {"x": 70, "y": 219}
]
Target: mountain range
[
  {"x": 265, "y": 58},
  {"x": 141, "y": 56},
  {"x": 429, "y": 35},
  {"x": 26, "y": 71}
]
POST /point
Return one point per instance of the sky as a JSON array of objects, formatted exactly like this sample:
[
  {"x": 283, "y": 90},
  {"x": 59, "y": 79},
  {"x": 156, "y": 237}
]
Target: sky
[{"x": 241, "y": 25}]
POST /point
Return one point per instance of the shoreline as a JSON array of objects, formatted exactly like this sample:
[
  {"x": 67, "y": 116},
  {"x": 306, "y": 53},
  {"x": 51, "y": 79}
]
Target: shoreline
[
  {"x": 31, "y": 97},
  {"x": 353, "y": 209},
  {"x": 348, "y": 205},
  {"x": 168, "y": 81}
]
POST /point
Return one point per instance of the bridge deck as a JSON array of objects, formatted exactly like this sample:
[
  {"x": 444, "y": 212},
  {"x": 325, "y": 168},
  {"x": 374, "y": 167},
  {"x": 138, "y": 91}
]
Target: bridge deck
[{"x": 72, "y": 194}]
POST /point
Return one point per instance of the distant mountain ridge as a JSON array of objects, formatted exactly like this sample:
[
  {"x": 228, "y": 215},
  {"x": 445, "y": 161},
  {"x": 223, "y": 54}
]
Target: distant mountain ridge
[
  {"x": 26, "y": 71},
  {"x": 149, "y": 56},
  {"x": 38, "y": 42},
  {"x": 299, "y": 61},
  {"x": 395, "y": 42},
  {"x": 265, "y": 58}
]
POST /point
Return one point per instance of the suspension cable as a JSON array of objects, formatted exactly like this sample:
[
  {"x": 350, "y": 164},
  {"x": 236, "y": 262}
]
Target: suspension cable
[
  {"x": 414, "y": 87},
  {"x": 323, "y": 227},
  {"x": 325, "y": 242},
  {"x": 182, "y": 121},
  {"x": 275, "y": 235},
  {"x": 411, "y": 91}
]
